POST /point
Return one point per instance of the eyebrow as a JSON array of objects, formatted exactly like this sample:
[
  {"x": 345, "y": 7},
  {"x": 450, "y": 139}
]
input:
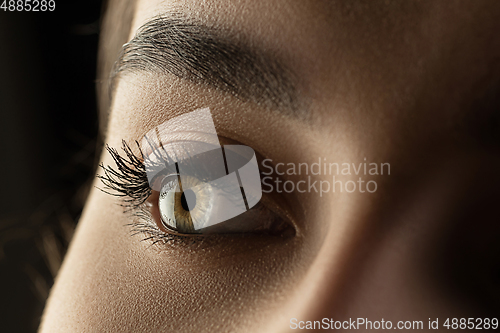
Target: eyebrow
[{"x": 204, "y": 55}]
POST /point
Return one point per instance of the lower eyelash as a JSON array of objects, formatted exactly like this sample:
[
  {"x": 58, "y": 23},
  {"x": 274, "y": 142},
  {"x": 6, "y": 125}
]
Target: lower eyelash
[{"x": 143, "y": 224}]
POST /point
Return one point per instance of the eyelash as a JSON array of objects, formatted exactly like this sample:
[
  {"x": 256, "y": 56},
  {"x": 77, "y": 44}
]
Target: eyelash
[{"x": 130, "y": 182}]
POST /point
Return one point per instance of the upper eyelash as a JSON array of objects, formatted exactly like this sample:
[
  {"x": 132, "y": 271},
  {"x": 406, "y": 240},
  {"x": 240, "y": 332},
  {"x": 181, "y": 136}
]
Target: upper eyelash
[{"x": 130, "y": 181}]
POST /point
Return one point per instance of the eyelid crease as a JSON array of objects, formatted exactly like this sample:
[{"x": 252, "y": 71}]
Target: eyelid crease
[
  {"x": 197, "y": 125},
  {"x": 170, "y": 141}
]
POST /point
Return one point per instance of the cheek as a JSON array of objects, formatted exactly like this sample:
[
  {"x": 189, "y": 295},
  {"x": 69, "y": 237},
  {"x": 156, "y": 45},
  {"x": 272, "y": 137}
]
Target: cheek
[{"x": 111, "y": 280}]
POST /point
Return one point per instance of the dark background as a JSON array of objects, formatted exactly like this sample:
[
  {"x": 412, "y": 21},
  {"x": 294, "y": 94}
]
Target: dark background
[{"x": 48, "y": 131}]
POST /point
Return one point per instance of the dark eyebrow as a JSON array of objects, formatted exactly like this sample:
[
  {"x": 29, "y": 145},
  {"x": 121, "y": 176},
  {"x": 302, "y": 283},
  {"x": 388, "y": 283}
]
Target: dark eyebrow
[{"x": 204, "y": 55}]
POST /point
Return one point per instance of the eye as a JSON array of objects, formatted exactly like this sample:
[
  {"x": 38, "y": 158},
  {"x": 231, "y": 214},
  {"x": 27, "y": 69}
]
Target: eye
[
  {"x": 185, "y": 206},
  {"x": 166, "y": 204},
  {"x": 201, "y": 200}
]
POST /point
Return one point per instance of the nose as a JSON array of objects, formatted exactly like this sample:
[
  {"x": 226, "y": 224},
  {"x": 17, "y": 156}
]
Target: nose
[{"x": 398, "y": 263}]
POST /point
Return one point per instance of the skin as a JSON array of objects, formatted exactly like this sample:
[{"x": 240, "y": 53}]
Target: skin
[{"x": 392, "y": 82}]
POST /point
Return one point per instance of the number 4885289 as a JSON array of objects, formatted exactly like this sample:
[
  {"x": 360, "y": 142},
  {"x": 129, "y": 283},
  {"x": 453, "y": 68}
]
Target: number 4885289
[
  {"x": 471, "y": 323},
  {"x": 28, "y": 5}
]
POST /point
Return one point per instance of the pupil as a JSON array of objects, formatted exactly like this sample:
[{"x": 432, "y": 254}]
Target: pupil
[{"x": 188, "y": 200}]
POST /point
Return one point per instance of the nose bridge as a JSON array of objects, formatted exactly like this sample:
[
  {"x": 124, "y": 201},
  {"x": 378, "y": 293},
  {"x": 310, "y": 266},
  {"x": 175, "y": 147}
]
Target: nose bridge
[
  {"x": 321, "y": 292},
  {"x": 326, "y": 287},
  {"x": 355, "y": 279},
  {"x": 322, "y": 285}
]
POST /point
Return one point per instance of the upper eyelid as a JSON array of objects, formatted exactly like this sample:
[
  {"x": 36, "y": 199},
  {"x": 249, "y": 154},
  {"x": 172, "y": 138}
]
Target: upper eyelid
[
  {"x": 204, "y": 174},
  {"x": 131, "y": 178},
  {"x": 205, "y": 160}
]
